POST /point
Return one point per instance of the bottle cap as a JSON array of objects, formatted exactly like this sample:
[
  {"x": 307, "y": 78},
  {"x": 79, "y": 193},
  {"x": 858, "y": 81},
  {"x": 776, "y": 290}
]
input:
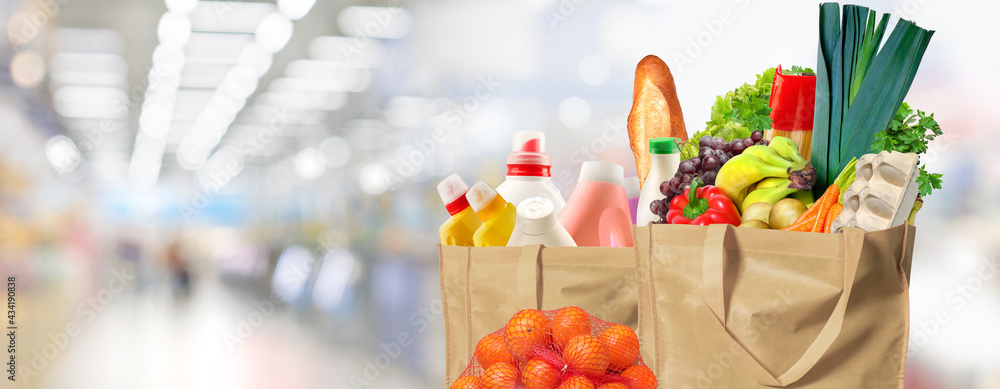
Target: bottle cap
[
  {"x": 480, "y": 195},
  {"x": 601, "y": 171},
  {"x": 528, "y": 157},
  {"x": 536, "y": 215},
  {"x": 452, "y": 190},
  {"x": 664, "y": 146},
  {"x": 529, "y": 142},
  {"x": 632, "y": 187}
]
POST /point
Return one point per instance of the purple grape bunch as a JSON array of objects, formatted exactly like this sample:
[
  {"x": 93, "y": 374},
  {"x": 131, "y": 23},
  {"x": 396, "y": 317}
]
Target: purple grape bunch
[{"x": 713, "y": 152}]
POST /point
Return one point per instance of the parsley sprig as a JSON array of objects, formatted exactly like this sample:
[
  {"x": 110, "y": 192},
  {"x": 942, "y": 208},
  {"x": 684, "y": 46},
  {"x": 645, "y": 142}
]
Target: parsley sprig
[{"x": 910, "y": 132}]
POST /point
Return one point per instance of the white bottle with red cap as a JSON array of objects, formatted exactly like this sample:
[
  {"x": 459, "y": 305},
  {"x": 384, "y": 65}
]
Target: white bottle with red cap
[
  {"x": 459, "y": 229},
  {"x": 529, "y": 171}
]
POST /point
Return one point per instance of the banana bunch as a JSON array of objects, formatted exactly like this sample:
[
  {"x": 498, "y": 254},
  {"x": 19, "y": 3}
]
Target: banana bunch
[{"x": 766, "y": 174}]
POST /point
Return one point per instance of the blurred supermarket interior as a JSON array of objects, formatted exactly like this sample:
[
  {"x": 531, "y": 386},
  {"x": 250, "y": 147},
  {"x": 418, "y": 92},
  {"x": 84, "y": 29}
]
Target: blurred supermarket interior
[{"x": 241, "y": 194}]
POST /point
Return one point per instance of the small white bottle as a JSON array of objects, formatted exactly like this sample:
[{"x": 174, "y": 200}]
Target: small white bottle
[
  {"x": 666, "y": 158},
  {"x": 537, "y": 223},
  {"x": 529, "y": 171}
]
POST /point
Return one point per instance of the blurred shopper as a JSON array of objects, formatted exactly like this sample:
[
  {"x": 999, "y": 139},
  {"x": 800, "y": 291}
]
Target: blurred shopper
[{"x": 180, "y": 276}]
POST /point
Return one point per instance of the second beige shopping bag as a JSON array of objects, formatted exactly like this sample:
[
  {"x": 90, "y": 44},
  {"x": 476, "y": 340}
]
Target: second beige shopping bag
[
  {"x": 724, "y": 307},
  {"x": 482, "y": 287}
]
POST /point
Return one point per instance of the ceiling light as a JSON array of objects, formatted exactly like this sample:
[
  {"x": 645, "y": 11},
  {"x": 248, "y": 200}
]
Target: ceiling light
[
  {"x": 274, "y": 32},
  {"x": 594, "y": 70},
  {"x": 155, "y": 120},
  {"x": 303, "y": 100},
  {"x": 310, "y": 164},
  {"x": 348, "y": 51},
  {"x": 229, "y": 16},
  {"x": 87, "y": 40},
  {"x": 183, "y": 7},
  {"x": 190, "y": 156},
  {"x": 574, "y": 112},
  {"x": 375, "y": 22},
  {"x": 87, "y": 78},
  {"x": 295, "y": 9},
  {"x": 168, "y": 58},
  {"x": 336, "y": 151},
  {"x": 87, "y": 62},
  {"x": 88, "y": 102},
  {"x": 240, "y": 82},
  {"x": 174, "y": 29},
  {"x": 373, "y": 179},
  {"x": 63, "y": 154},
  {"x": 255, "y": 58},
  {"x": 27, "y": 69}
]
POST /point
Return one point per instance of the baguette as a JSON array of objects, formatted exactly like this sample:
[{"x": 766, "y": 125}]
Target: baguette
[{"x": 656, "y": 112}]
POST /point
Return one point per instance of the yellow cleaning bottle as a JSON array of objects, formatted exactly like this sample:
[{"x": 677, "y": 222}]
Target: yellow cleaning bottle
[
  {"x": 497, "y": 214},
  {"x": 458, "y": 229}
]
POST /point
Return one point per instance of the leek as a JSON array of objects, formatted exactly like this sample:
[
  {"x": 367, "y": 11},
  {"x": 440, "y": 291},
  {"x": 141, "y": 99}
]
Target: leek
[{"x": 859, "y": 87}]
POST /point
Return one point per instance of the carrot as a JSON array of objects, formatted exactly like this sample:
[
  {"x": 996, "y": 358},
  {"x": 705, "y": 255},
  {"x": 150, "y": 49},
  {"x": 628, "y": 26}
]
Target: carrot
[
  {"x": 802, "y": 224},
  {"x": 834, "y": 213},
  {"x": 828, "y": 199},
  {"x": 807, "y": 218}
]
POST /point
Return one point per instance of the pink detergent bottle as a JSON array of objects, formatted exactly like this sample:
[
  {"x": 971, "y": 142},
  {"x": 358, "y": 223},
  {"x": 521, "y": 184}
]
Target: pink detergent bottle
[{"x": 597, "y": 213}]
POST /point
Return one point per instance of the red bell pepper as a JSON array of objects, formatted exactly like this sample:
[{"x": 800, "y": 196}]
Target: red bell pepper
[{"x": 703, "y": 205}]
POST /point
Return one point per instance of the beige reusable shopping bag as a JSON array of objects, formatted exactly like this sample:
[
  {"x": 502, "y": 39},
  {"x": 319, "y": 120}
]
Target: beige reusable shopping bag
[
  {"x": 482, "y": 287},
  {"x": 724, "y": 307}
]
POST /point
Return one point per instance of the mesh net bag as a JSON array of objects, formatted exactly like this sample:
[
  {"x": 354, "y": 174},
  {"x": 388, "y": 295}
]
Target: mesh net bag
[{"x": 565, "y": 348}]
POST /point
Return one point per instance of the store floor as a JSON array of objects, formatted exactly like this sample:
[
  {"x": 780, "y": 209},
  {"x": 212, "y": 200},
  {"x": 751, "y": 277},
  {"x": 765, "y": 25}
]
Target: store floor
[{"x": 216, "y": 339}]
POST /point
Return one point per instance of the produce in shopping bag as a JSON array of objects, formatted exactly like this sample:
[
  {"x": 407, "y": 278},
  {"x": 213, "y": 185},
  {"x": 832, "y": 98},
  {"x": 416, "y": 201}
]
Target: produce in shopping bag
[
  {"x": 861, "y": 82},
  {"x": 703, "y": 205},
  {"x": 882, "y": 194},
  {"x": 712, "y": 154},
  {"x": 563, "y": 348},
  {"x": 779, "y": 159}
]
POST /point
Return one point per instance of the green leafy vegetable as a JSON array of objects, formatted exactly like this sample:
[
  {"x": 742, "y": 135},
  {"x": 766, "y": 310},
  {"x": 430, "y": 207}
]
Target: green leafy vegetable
[
  {"x": 796, "y": 70},
  {"x": 910, "y": 132},
  {"x": 859, "y": 86},
  {"x": 738, "y": 113}
]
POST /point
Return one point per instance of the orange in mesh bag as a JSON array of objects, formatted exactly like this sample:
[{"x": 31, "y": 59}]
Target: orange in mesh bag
[{"x": 565, "y": 348}]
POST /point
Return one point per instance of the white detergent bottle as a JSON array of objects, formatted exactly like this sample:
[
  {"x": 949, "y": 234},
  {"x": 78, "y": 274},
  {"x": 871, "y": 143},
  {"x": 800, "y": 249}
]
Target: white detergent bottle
[
  {"x": 666, "y": 158},
  {"x": 529, "y": 171},
  {"x": 537, "y": 223}
]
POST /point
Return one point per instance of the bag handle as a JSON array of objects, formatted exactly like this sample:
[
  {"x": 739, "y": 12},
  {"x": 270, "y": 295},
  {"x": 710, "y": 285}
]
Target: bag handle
[
  {"x": 717, "y": 242},
  {"x": 528, "y": 282}
]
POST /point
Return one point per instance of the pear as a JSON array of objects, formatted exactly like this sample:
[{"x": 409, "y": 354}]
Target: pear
[
  {"x": 757, "y": 211},
  {"x": 785, "y": 212}
]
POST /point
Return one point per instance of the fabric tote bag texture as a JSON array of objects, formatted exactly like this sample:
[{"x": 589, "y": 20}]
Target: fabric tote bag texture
[
  {"x": 724, "y": 307},
  {"x": 483, "y": 287}
]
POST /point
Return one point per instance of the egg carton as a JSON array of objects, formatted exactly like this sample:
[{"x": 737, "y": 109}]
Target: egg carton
[{"x": 883, "y": 193}]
